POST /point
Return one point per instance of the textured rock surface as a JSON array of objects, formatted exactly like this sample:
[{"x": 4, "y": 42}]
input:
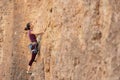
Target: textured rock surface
[
  {"x": 6, "y": 43},
  {"x": 81, "y": 41}
]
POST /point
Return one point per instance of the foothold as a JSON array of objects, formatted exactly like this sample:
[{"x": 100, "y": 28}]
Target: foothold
[
  {"x": 97, "y": 35},
  {"x": 47, "y": 70},
  {"x": 64, "y": 9},
  {"x": 76, "y": 61},
  {"x": 51, "y": 10}
]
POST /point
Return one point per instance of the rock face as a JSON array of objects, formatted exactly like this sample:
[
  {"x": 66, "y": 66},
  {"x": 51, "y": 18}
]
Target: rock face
[{"x": 81, "y": 40}]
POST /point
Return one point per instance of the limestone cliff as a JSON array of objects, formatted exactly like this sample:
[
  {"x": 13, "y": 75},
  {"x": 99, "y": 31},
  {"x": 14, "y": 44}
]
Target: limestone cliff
[{"x": 81, "y": 40}]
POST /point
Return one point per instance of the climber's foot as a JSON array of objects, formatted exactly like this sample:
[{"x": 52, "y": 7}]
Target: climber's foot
[
  {"x": 28, "y": 72},
  {"x": 35, "y": 61}
]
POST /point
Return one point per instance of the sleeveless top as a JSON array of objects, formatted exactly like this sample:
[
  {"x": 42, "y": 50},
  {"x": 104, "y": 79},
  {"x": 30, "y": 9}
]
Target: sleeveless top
[{"x": 32, "y": 37}]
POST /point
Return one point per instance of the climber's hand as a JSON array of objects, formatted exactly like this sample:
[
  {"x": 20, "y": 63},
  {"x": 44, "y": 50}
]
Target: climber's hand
[{"x": 41, "y": 33}]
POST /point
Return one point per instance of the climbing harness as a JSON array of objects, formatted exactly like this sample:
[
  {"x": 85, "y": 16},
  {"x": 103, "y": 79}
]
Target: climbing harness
[{"x": 33, "y": 47}]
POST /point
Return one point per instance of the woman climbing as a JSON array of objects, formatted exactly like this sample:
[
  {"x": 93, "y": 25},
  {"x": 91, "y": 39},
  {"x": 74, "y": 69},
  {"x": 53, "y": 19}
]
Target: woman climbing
[{"x": 34, "y": 45}]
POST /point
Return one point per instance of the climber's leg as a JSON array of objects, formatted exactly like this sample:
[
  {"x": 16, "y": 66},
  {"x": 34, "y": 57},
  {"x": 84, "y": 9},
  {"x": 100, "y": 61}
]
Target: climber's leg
[
  {"x": 31, "y": 61},
  {"x": 28, "y": 69},
  {"x": 32, "y": 58}
]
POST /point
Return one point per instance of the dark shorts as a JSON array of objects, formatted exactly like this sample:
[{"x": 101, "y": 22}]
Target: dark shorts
[{"x": 33, "y": 48}]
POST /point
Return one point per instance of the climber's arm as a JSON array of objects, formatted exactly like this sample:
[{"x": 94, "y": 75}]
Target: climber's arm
[{"x": 40, "y": 33}]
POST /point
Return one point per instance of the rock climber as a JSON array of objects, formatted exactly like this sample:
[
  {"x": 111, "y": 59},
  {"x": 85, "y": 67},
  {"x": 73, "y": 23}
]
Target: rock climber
[{"x": 33, "y": 45}]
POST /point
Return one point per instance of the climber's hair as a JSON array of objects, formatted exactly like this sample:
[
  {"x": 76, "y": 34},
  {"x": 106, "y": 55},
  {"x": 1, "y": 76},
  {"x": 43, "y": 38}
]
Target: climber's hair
[{"x": 27, "y": 26}]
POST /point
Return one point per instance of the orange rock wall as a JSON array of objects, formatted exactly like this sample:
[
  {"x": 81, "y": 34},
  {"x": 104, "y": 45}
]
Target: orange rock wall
[{"x": 81, "y": 40}]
